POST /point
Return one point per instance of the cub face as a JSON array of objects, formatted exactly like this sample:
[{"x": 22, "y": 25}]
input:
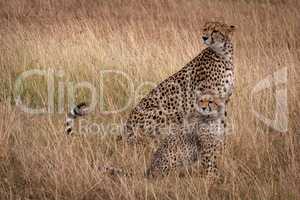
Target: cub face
[{"x": 209, "y": 104}]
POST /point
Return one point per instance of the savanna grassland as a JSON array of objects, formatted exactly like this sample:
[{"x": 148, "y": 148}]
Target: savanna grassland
[{"x": 147, "y": 41}]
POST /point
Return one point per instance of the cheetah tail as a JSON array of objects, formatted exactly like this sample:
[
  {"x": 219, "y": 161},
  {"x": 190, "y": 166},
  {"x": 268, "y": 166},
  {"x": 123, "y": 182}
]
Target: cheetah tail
[{"x": 78, "y": 111}]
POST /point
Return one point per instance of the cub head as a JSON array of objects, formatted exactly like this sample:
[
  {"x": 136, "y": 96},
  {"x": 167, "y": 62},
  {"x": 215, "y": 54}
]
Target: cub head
[
  {"x": 216, "y": 34},
  {"x": 209, "y": 104}
]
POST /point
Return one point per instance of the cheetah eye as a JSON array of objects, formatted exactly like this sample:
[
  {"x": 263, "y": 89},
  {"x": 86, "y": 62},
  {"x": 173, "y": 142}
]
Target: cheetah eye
[
  {"x": 205, "y": 29},
  {"x": 210, "y": 101}
]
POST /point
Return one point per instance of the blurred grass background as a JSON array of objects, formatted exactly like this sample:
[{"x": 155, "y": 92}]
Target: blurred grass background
[{"x": 147, "y": 40}]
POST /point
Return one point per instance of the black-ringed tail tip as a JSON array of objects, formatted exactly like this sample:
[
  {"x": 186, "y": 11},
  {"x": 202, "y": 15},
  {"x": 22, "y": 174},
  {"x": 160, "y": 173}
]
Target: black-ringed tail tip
[{"x": 78, "y": 111}]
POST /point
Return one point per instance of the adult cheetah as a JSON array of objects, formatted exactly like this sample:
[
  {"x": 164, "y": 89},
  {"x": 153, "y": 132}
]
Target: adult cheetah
[
  {"x": 199, "y": 140},
  {"x": 172, "y": 99}
]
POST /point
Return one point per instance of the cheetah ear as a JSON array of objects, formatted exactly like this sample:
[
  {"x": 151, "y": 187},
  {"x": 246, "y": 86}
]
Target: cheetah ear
[{"x": 231, "y": 29}]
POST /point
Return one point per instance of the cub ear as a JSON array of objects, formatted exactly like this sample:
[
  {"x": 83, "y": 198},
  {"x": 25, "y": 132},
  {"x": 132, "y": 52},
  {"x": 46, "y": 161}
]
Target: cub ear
[
  {"x": 220, "y": 101},
  {"x": 198, "y": 94}
]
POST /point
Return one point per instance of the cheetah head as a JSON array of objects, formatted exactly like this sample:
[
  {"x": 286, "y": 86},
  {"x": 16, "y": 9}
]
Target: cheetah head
[
  {"x": 209, "y": 104},
  {"x": 216, "y": 34}
]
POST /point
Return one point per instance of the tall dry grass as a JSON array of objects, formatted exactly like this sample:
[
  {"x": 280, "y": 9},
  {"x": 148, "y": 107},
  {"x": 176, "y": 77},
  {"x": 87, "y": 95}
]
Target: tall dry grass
[{"x": 148, "y": 40}]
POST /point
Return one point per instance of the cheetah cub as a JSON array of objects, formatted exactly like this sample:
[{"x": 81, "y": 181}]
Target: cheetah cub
[{"x": 199, "y": 140}]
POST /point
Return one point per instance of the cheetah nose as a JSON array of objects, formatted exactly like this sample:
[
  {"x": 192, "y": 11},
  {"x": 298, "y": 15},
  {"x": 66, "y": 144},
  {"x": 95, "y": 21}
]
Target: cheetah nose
[{"x": 204, "y": 38}]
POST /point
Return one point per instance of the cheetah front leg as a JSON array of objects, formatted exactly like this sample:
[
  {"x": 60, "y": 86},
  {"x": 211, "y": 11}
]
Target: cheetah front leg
[{"x": 209, "y": 161}]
